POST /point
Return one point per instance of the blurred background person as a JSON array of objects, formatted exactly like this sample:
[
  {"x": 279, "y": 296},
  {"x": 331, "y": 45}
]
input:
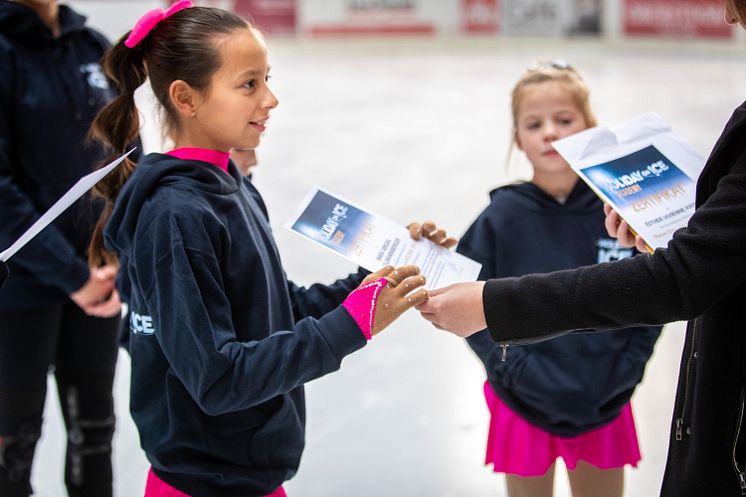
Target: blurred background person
[
  {"x": 245, "y": 160},
  {"x": 56, "y": 311}
]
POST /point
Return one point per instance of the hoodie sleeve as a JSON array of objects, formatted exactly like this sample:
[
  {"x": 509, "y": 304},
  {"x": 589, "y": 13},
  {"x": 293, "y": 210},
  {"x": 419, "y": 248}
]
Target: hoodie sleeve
[
  {"x": 479, "y": 243},
  {"x": 702, "y": 263},
  {"x": 318, "y": 299},
  {"x": 197, "y": 337},
  {"x": 642, "y": 343},
  {"x": 50, "y": 256}
]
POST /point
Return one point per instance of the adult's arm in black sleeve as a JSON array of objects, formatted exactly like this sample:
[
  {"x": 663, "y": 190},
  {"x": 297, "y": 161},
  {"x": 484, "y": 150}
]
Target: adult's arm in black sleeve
[{"x": 701, "y": 264}]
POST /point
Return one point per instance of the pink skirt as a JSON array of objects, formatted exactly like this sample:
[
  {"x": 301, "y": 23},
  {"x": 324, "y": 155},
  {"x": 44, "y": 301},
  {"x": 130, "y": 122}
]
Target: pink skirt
[
  {"x": 516, "y": 447},
  {"x": 155, "y": 487}
]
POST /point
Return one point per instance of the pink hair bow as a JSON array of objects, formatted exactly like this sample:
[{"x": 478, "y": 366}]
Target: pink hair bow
[{"x": 150, "y": 20}]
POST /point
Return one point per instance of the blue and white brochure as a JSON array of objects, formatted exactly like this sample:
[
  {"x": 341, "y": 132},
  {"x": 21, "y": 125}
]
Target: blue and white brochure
[
  {"x": 373, "y": 241},
  {"x": 640, "y": 168}
]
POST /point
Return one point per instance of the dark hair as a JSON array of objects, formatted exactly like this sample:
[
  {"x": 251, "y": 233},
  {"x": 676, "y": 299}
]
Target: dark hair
[{"x": 181, "y": 47}]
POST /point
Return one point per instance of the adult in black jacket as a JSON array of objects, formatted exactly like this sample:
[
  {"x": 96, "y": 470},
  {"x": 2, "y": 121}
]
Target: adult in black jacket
[
  {"x": 3, "y": 273},
  {"x": 51, "y": 86},
  {"x": 700, "y": 276}
]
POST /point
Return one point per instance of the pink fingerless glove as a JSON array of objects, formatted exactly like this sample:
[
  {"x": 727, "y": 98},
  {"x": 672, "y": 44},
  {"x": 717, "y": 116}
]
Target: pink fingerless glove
[{"x": 361, "y": 304}]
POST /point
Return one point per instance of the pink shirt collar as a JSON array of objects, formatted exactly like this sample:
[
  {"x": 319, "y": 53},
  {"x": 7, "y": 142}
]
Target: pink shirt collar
[{"x": 214, "y": 157}]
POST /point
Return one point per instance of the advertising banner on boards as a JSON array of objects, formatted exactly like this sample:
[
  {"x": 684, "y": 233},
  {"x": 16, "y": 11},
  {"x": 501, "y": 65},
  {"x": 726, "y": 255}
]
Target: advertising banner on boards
[
  {"x": 551, "y": 17},
  {"x": 271, "y": 16},
  {"x": 675, "y": 18},
  {"x": 480, "y": 16},
  {"x": 377, "y": 17}
]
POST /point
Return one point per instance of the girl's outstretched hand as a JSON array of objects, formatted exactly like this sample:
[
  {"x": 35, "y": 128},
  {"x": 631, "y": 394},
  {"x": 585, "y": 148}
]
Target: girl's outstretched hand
[
  {"x": 618, "y": 228},
  {"x": 456, "y": 308},
  {"x": 429, "y": 230},
  {"x": 383, "y": 296}
]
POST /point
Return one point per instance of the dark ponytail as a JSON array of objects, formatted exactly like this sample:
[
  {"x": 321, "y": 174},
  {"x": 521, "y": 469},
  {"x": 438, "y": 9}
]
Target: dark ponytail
[
  {"x": 181, "y": 47},
  {"x": 116, "y": 126}
]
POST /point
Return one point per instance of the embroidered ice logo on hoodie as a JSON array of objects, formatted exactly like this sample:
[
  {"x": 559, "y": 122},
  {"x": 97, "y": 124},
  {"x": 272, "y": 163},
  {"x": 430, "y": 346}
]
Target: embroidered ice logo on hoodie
[
  {"x": 95, "y": 75},
  {"x": 610, "y": 250},
  {"x": 140, "y": 324}
]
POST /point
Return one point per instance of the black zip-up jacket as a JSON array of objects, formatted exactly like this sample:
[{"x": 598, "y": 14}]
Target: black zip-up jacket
[
  {"x": 219, "y": 338},
  {"x": 699, "y": 276},
  {"x": 50, "y": 89},
  {"x": 3, "y": 274},
  {"x": 578, "y": 382}
]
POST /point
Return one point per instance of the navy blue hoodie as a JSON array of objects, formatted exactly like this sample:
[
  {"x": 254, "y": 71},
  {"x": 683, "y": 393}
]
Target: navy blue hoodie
[
  {"x": 50, "y": 89},
  {"x": 219, "y": 349},
  {"x": 578, "y": 382}
]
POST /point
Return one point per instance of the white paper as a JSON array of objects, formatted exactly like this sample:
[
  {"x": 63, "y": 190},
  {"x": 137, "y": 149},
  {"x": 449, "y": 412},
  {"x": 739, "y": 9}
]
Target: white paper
[
  {"x": 373, "y": 241},
  {"x": 74, "y": 193},
  {"x": 640, "y": 168}
]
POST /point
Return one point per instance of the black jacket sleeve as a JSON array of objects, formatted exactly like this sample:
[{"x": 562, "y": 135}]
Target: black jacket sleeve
[
  {"x": 702, "y": 263},
  {"x": 50, "y": 256},
  {"x": 3, "y": 273}
]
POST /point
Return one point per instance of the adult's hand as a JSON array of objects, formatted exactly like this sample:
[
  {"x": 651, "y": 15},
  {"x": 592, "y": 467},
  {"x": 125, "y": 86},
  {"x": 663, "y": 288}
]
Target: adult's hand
[
  {"x": 98, "y": 297},
  {"x": 456, "y": 308},
  {"x": 108, "y": 308}
]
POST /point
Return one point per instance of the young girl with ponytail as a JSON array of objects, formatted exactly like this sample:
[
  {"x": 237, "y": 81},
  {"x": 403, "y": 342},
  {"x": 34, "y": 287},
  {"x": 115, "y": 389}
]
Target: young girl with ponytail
[
  {"x": 221, "y": 341},
  {"x": 700, "y": 276},
  {"x": 565, "y": 398}
]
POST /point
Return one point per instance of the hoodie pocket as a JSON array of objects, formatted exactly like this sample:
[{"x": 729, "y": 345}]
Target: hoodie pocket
[
  {"x": 579, "y": 391},
  {"x": 505, "y": 366}
]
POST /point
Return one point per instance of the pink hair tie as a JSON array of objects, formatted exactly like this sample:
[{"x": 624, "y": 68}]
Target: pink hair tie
[{"x": 150, "y": 20}]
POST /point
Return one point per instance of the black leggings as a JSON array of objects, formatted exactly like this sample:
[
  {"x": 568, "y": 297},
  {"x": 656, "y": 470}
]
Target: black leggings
[{"x": 82, "y": 352}]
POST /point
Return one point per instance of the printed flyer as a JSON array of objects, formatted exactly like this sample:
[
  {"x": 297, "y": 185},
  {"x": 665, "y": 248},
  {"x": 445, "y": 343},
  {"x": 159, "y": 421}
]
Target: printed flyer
[
  {"x": 74, "y": 193},
  {"x": 644, "y": 171},
  {"x": 373, "y": 241}
]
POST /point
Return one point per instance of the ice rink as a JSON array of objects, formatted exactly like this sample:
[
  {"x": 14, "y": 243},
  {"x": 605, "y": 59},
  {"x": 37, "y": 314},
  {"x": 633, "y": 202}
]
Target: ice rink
[{"x": 419, "y": 129}]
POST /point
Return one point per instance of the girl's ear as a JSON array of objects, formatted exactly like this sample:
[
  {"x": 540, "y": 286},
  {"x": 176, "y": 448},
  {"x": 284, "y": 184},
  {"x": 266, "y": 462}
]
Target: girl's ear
[
  {"x": 517, "y": 140},
  {"x": 184, "y": 98}
]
